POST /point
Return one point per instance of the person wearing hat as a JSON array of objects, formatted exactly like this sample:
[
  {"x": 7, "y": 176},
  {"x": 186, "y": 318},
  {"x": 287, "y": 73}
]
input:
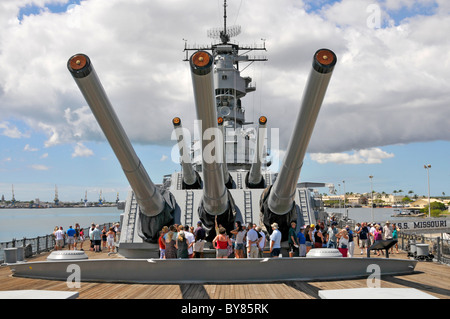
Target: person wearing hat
[
  {"x": 275, "y": 241},
  {"x": 301, "y": 242},
  {"x": 292, "y": 239}
]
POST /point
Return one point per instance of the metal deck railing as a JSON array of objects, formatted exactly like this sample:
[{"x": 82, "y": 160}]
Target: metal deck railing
[{"x": 40, "y": 244}]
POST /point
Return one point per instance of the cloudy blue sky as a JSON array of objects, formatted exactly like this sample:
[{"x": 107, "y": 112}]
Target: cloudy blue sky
[{"x": 386, "y": 112}]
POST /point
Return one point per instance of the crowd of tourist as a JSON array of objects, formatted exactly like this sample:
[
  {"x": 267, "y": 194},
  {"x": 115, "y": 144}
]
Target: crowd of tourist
[
  {"x": 345, "y": 239},
  {"x": 178, "y": 241},
  {"x": 250, "y": 241},
  {"x": 99, "y": 239}
]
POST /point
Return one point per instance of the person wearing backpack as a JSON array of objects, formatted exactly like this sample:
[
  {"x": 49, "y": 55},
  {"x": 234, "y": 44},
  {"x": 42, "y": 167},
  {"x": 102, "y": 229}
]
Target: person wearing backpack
[{"x": 363, "y": 234}]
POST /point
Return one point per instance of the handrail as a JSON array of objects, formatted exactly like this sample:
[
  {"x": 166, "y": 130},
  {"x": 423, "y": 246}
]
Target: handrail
[{"x": 39, "y": 244}]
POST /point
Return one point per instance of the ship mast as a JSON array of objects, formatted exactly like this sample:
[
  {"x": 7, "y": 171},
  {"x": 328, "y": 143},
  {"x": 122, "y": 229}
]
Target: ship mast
[
  {"x": 224, "y": 37},
  {"x": 229, "y": 88}
]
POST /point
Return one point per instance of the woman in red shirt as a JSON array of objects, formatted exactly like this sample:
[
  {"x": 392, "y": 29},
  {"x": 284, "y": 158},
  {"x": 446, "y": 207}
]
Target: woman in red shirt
[{"x": 221, "y": 243}]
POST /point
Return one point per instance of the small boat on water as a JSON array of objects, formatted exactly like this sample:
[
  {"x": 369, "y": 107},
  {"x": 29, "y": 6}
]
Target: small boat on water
[{"x": 408, "y": 213}]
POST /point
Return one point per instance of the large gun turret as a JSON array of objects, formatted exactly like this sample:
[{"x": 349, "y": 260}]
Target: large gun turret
[
  {"x": 216, "y": 200},
  {"x": 277, "y": 203},
  {"x": 254, "y": 178},
  {"x": 156, "y": 206},
  {"x": 191, "y": 179}
]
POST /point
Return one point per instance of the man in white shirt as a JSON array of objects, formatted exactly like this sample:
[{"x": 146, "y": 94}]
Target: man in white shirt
[
  {"x": 275, "y": 241},
  {"x": 252, "y": 244},
  {"x": 261, "y": 242},
  {"x": 371, "y": 233},
  {"x": 387, "y": 231},
  {"x": 59, "y": 238},
  {"x": 191, "y": 240}
]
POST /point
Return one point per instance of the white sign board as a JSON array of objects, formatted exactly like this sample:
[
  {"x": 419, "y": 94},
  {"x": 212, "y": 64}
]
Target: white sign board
[{"x": 424, "y": 224}]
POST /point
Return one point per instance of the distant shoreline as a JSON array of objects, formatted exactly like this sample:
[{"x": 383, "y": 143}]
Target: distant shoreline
[{"x": 65, "y": 206}]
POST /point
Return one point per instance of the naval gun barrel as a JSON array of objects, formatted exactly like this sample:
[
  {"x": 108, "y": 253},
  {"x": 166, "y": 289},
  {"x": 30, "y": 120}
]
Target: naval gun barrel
[
  {"x": 255, "y": 178},
  {"x": 279, "y": 199},
  {"x": 216, "y": 200},
  {"x": 282, "y": 193},
  {"x": 226, "y": 175},
  {"x": 191, "y": 179},
  {"x": 149, "y": 198},
  {"x": 215, "y": 197}
]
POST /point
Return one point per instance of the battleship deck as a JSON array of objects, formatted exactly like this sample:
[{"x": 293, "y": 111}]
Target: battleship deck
[{"x": 431, "y": 278}]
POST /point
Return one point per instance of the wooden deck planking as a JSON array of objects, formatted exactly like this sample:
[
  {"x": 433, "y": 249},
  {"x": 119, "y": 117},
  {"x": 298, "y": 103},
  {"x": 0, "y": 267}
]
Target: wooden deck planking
[{"x": 429, "y": 277}]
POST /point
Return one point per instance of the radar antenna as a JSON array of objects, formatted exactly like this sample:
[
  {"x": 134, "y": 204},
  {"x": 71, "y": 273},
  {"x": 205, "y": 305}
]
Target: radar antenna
[{"x": 227, "y": 33}]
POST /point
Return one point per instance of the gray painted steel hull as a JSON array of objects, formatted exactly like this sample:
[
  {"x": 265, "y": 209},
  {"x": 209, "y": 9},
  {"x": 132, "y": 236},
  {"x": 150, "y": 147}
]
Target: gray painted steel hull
[{"x": 200, "y": 271}]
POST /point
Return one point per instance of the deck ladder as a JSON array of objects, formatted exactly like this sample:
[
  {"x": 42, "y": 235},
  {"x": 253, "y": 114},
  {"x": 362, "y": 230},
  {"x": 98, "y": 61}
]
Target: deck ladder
[
  {"x": 132, "y": 215},
  {"x": 268, "y": 179},
  {"x": 180, "y": 181},
  {"x": 189, "y": 208},
  {"x": 304, "y": 205},
  {"x": 248, "y": 207},
  {"x": 239, "y": 180}
]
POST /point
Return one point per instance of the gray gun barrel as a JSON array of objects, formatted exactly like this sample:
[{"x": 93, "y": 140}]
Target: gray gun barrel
[
  {"x": 148, "y": 196},
  {"x": 189, "y": 176},
  {"x": 215, "y": 195},
  {"x": 226, "y": 175},
  {"x": 255, "y": 178},
  {"x": 281, "y": 196}
]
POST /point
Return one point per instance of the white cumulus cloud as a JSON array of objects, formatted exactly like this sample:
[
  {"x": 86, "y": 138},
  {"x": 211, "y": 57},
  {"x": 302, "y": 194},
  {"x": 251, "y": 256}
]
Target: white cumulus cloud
[
  {"x": 28, "y": 148},
  {"x": 9, "y": 130},
  {"x": 367, "y": 156},
  {"x": 80, "y": 150},
  {"x": 39, "y": 167},
  {"x": 390, "y": 84}
]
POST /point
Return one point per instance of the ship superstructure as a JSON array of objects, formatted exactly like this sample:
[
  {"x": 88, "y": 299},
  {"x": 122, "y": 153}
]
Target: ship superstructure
[
  {"x": 225, "y": 176},
  {"x": 229, "y": 90}
]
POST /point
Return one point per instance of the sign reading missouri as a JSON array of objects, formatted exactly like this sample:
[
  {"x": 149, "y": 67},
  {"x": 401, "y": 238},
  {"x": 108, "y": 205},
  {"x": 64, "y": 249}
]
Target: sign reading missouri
[{"x": 424, "y": 224}]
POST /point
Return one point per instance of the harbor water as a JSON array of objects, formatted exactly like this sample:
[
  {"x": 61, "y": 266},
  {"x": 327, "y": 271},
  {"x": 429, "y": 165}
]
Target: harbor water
[
  {"x": 19, "y": 223},
  {"x": 359, "y": 215}
]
